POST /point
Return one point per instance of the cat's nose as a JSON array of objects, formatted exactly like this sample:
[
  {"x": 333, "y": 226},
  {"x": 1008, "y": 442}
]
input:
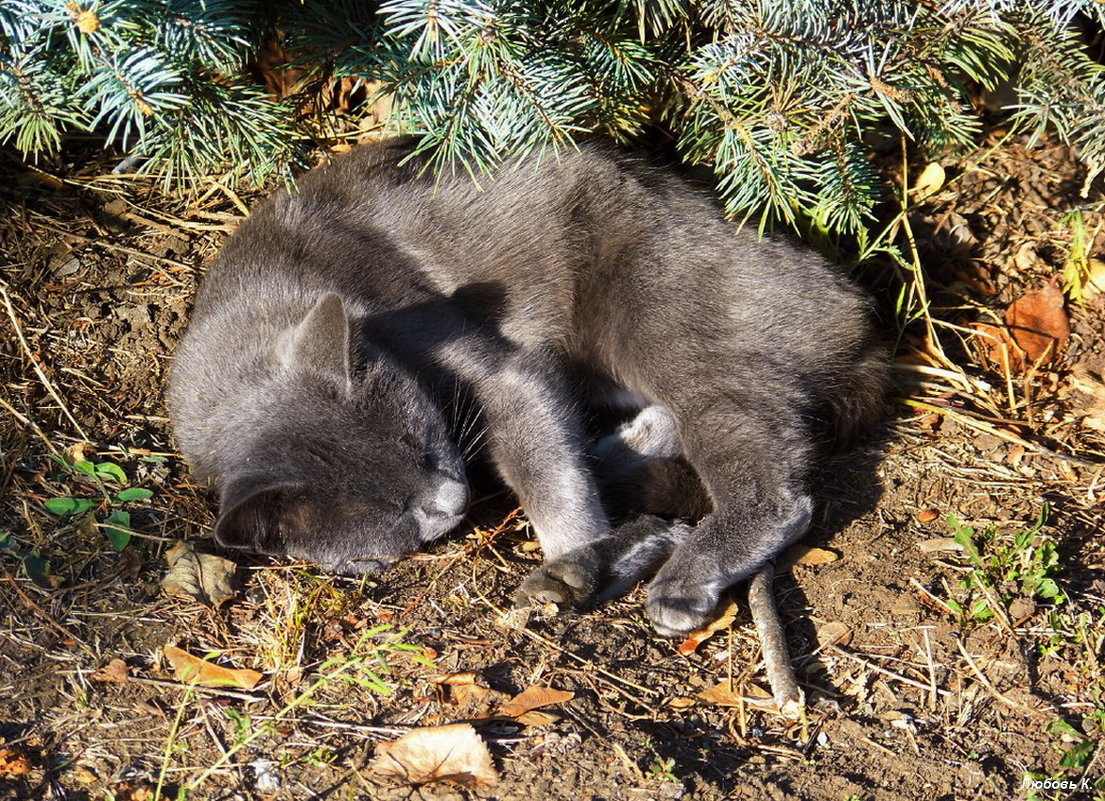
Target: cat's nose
[{"x": 450, "y": 499}]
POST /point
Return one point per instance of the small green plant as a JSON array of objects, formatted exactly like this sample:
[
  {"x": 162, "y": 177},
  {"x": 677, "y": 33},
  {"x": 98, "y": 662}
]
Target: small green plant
[
  {"x": 661, "y": 769},
  {"x": 368, "y": 661},
  {"x": 1075, "y": 747},
  {"x": 1005, "y": 566},
  {"x": 104, "y": 512},
  {"x": 241, "y": 725},
  {"x": 362, "y": 666}
]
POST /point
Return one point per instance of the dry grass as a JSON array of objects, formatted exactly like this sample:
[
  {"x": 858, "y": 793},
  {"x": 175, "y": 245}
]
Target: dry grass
[{"x": 907, "y": 698}]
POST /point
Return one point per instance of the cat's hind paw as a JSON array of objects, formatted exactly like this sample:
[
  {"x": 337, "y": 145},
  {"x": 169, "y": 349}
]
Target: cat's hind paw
[
  {"x": 677, "y": 607},
  {"x": 567, "y": 581}
]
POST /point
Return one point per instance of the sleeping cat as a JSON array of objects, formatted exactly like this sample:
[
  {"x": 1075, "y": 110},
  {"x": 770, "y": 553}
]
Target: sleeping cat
[{"x": 343, "y": 326}]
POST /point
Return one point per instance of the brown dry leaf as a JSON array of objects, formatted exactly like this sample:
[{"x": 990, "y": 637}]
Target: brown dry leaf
[
  {"x": 537, "y": 718},
  {"x": 461, "y": 689},
  {"x": 681, "y": 702},
  {"x": 723, "y": 694},
  {"x": 83, "y": 774},
  {"x": 193, "y": 670},
  {"x": 13, "y": 762},
  {"x": 696, "y": 638},
  {"x": 1039, "y": 323},
  {"x": 201, "y": 576},
  {"x": 452, "y": 753},
  {"x": 994, "y": 348},
  {"x": 137, "y": 790},
  {"x": 939, "y": 544},
  {"x": 114, "y": 672},
  {"x": 834, "y": 633},
  {"x": 533, "y": 698},
  {"x": 805, "y": 555}
]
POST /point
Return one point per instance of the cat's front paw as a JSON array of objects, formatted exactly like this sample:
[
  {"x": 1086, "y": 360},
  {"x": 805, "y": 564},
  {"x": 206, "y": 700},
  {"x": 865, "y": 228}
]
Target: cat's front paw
[
  {"x": 677, "y": 606},
  {"x": 567, "y": 581}
]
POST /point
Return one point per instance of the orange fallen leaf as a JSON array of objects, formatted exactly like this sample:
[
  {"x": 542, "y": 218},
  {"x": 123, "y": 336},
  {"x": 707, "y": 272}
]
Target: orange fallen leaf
[
  {"x": 927, "y": 515},
  {"x": 13, "y": 763},
  {"x": 1039, "y": 324},
  {"x": 114, "y": 672},
  {"x": 83, "y": 774},
  {"x": 533, "y": 698},
  {"x": 725, "y": 694},
  {"x": 193, "y": 670},
  {"x": 995, "y": 349},
  {"x": 805, "y": 555},
  {"x": 454, "y": 753},
  {"x": 137, "y": 790},
  {"x": 696, "y": 638}
]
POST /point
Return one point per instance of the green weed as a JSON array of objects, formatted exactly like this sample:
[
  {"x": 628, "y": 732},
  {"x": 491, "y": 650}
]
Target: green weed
[
  {"x": 661, "y": 770},
  {"x": 105, "y": 512},
  {"x": 1005, "y": 566}
]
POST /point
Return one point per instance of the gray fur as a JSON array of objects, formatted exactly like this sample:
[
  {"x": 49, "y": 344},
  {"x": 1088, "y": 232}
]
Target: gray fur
[{"x": 352, "y": 338}]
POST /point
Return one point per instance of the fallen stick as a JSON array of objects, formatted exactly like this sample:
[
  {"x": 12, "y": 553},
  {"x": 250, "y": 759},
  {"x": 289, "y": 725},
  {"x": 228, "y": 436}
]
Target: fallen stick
[{"x": 780, "y": 675}]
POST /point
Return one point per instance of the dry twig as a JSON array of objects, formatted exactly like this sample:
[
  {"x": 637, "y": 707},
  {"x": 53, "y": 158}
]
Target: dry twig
[{"x": 780, "y": 675}]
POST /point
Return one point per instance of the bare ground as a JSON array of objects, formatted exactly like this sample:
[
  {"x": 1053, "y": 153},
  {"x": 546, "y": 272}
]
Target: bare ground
[{"x": 929, "y": 672}]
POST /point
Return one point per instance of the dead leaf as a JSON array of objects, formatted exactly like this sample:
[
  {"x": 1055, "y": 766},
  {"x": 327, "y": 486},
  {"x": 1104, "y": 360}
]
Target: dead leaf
[
  {"x": 83, "y": 774},
  {"x": 533, "y": 698},
  {"x": 681, "y": 702},
  {"x": 1039, "y": 324},
  {"x": 114, "y": 672},
  {"x": 461, "y": 689},
  {"x": 994, "y": 348},
  {"x": 805, "y": 555},
  {"x": 927, "y": 515},
  {"x": 834, "y": 633},
  {"x": 13, "y": 763},
  {"x": 452, "y": 753},
  {"x": 939, "y": 544},
  {"x": 929, "y": 181},
  {"x": 725, "y": 694},
  {"x": 1095, "y": 280},
  {"x": 202, "y": 576},
  {"x": 696, "y": 638},
  {"x": 536, "y": 718},
  {"x": 137, "y": 790},
  {"x": 193, "y": 670}
]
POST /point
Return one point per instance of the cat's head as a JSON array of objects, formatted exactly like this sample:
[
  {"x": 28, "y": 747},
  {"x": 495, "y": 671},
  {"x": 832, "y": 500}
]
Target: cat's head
[{"x": 353, "y": 464}]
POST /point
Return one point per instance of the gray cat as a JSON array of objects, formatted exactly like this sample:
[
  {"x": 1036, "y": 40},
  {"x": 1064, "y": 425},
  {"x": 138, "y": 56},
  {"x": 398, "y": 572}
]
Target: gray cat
[{"x": 343, "y": 326}]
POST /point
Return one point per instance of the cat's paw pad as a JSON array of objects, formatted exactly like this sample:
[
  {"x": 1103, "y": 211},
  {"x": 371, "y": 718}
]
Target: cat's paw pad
[
  {"x": 677, "y": 607},
  {"x": 564, "y": 582}
]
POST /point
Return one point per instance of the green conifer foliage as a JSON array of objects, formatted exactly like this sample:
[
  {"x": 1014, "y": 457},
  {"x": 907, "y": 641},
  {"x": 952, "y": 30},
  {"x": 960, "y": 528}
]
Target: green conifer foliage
[{"x": 785, "y": 99}]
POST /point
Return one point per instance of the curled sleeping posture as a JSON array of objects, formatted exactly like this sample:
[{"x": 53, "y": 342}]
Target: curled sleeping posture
[{"x": 358, "y": 341}]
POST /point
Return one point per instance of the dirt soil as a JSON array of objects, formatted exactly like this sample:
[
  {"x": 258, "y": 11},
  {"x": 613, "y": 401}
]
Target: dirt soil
[{"x": 935, "y": 665}]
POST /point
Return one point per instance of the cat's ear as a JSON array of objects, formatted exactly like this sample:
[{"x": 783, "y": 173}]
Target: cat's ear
[
  {"x": 262, "y": 520},
  {"x": 319, "y": 343}
]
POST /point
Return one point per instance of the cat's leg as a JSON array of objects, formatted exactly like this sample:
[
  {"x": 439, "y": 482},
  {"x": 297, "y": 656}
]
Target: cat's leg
[
  {"x": 752, "y": 451},
  {"x": 536, "y": 443},
  {"x": 641, "y": 465},
  {"x": 605, "y": 568}
]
